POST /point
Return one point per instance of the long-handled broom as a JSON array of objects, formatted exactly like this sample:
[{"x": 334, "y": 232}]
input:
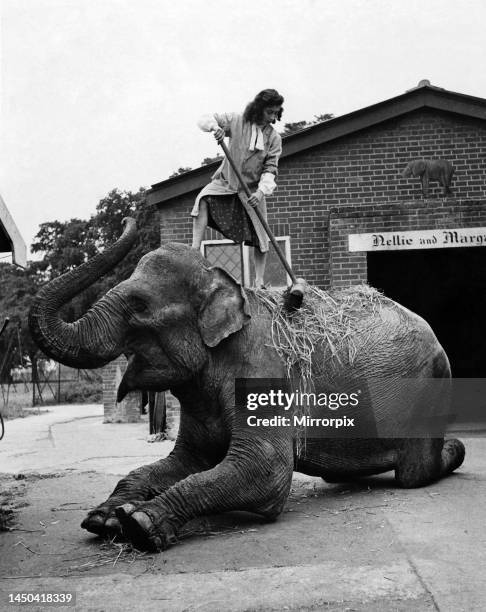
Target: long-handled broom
[{"x": 295, "y": 294}]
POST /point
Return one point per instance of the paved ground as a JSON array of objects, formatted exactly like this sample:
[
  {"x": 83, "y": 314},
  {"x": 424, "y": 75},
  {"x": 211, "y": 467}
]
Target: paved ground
[{"x": 368, "y": 546}]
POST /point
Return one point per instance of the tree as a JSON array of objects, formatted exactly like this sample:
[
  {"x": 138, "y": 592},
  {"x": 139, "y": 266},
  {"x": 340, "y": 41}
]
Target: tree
[
  {"x": 18, "y": 289},
  {"x": 205, "y": 162},
  {"x": 69, "y": 244},
  {"x": 209, "y": 160},
  {"x": 107, "y": 226},
  {"x": 180, "y": 171},
  {"x": 297, "y": 126},
  {"x": 322, "y": 118},
  {"x": 65, "y": 245},
  {"x": 112, "y": 209}
]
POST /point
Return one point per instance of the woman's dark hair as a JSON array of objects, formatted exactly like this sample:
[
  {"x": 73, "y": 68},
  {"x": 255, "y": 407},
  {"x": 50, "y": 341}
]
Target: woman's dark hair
[{"x": 268, "y": 97}]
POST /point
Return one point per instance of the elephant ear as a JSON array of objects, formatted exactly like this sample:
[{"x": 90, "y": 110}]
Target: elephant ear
[
  {"x": 418, "y": 167},
  {"x": 224, "y": 310}
]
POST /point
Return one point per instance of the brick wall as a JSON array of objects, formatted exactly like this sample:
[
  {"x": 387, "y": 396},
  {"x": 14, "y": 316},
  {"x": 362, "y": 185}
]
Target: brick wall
[
  {"x": 127, "y": 411},
  {"x": 173, "y": 415},
  {"x": 348, "y": 268},
  {"x": 175, "y": 220},
  {"x": 360, "y": 170}
]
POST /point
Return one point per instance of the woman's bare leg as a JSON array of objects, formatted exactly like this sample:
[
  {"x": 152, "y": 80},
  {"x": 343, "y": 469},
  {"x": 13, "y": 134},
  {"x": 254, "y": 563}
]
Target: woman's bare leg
[
  {"x": 199, "y": 225},
  {"x": 260, "y": 261}
]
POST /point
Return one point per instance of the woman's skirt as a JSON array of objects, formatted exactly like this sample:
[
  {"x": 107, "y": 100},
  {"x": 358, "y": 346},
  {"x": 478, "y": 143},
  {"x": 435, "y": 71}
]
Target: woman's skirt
[{"x": 227, "y": 215}]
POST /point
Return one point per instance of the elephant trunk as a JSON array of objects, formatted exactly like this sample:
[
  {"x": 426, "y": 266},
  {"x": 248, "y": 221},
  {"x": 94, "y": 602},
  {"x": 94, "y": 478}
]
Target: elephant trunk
[{"x": 93, "y": 340}]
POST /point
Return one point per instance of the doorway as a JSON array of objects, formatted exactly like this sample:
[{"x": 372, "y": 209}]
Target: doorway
[{"x": 447, "y": 287}]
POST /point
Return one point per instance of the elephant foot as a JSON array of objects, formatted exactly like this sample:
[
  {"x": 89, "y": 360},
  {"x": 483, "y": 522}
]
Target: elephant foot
[
  {"x": 142, "y": 531},
  {"x": 102, "y": 522},
  {"x": 453, "y": 454}
]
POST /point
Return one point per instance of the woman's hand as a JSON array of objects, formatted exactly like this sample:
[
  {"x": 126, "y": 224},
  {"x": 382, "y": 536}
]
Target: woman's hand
[
  {"x": 255, "y": 198},
  {"x": 219, "y": 135}
]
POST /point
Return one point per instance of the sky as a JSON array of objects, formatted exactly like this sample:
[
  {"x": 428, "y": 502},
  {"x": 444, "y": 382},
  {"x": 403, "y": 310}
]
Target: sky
[{"x": 104, "y": 94}]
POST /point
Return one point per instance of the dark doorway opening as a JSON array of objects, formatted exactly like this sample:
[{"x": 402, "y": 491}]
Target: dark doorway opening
[{"x": 447, "y": 287}]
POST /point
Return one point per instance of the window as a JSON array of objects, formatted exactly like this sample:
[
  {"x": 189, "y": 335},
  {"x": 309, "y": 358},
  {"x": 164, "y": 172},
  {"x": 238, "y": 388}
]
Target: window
[
  {"x": 225, "y": 254},
  {"x": 238, "y": 261}
]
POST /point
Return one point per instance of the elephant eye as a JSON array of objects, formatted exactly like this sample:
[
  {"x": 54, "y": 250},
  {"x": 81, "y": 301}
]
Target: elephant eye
[{"x": 137, "y": 304}]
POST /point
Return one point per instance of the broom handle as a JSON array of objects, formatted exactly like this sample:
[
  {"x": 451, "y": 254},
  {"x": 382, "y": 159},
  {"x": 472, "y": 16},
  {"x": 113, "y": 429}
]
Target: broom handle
[
  {"x": 263, "y": 221},
  {"x": 4, "y": 326}
]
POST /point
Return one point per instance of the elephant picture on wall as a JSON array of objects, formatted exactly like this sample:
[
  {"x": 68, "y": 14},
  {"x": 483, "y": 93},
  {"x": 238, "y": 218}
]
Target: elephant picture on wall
[
  {"x": 192, "y": 329},
  {"x": 439, "y": 170}
]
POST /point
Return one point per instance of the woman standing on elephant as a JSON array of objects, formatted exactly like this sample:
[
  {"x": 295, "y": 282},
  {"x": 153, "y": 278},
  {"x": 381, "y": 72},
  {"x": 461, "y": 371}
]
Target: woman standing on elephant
[{"x": 255, "y": 146}]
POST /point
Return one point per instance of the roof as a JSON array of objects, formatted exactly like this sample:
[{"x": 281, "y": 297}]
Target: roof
[
  {"x": 10, "y": 239},
  {"x": 423, "y": 96}
]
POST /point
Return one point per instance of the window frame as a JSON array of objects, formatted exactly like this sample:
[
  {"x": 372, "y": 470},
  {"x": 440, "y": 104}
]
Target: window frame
[{"x": 245, "y": 257}]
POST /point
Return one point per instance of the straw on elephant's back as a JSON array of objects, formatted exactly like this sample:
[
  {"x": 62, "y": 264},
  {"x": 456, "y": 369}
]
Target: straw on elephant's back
[{"x": 331, "y": 320}]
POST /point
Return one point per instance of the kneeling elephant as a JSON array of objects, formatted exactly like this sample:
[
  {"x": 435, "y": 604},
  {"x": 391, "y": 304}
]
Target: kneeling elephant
[{"x": 190, "y": 328}]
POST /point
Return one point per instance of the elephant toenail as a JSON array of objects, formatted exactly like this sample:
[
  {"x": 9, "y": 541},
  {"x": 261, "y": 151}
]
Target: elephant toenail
[
  {"x": 126, "y": 509},
  {"x": 143, "y": 520},
  {"x": 94, "y": 522},
  {"x": 157, "y": 542},
  {"x": 113, "y": 524}
]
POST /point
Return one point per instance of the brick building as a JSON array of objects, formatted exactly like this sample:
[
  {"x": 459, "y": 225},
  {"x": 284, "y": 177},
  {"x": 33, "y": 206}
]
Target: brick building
[
  {"x": 10, "y": 239},
  {"x": 345, "y": 215}
]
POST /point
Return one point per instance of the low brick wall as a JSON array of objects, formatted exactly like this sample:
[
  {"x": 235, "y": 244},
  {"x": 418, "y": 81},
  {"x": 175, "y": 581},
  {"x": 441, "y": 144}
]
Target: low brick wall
[
  {"x": 127, "y": 411},
  {"x": 173, "y": 415}
]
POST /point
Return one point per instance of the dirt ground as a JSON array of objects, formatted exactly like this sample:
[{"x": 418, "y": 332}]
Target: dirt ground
[{"x": 364, "y": 546}]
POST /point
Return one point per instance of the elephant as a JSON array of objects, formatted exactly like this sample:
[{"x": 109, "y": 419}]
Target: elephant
[
  {"x": 436, "y": 169},
  {"x": 192, "y": 329}
]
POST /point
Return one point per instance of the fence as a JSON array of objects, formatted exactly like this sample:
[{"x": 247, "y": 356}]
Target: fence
[{"x": 50, "y": 383}]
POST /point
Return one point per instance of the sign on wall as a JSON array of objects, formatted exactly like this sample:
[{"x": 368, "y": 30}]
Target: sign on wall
[{"x": 420, "y": 239}]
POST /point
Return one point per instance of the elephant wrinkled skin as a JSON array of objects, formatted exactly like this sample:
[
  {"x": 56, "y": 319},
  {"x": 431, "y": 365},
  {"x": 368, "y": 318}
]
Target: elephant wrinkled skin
[{"x": 192, "y": 329}]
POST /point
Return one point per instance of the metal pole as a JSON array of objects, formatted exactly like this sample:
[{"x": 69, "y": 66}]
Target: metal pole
[
  {"x": 58, "y": 383},
  {"x": 33, "y": 384}
]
